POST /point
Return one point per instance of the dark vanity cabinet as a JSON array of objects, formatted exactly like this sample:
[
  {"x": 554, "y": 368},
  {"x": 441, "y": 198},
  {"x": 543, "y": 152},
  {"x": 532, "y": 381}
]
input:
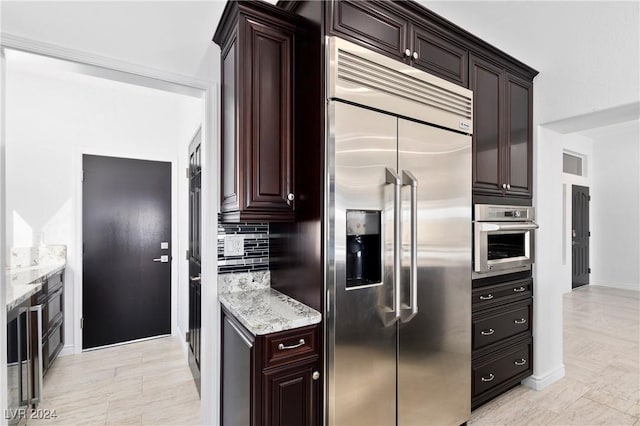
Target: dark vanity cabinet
[
  {"x": 503, "y": 130},
  {"x": 270, "y": 379},
  {"x": 256, "y": 178},
  {"x": 502, "y": 337},
  {"x": 51, "y": 300}
]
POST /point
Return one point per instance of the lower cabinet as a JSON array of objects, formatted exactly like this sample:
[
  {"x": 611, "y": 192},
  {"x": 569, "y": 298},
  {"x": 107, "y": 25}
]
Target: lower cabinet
[
  {"x": 51, "y": 300},
  {"x": 270, "y": 379},
  {"x": 502, "y": 340}
]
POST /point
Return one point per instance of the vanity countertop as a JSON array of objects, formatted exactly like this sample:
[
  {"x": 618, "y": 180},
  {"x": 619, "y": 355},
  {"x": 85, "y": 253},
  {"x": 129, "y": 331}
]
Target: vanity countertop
[
  {"x": 24, "y": 282},
  {"x": 266, "y": 310}
]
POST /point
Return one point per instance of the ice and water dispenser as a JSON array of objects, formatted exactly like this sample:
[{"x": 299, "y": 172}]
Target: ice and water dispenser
[{"x": 364, "y": 249}]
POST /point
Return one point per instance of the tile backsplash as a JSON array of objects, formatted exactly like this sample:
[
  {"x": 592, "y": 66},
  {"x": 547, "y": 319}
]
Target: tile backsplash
[{"x": 256, "y": 248}]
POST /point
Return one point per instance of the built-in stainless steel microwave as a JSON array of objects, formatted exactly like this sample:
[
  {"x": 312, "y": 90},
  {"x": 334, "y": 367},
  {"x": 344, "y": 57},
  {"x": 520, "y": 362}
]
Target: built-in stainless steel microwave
[{"x": 503, "y": 239}]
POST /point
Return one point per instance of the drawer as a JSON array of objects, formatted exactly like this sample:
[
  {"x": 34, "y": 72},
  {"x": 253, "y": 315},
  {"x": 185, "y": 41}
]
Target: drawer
[
  {"x": 290, "y": 345},
  {"x": 501, "y": 366},
  {"x": 52, "y": 345},
  {"x": 52, "y": 309},
  {"x": 499, "y": 323},
  {"x": 498, "y": 294}
]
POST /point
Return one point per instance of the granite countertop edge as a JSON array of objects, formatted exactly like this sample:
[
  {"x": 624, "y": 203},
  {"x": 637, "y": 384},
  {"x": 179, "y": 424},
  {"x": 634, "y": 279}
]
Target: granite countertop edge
[
  {"x": 268, "y": 311},
  {"x": 24, "y": 290}
]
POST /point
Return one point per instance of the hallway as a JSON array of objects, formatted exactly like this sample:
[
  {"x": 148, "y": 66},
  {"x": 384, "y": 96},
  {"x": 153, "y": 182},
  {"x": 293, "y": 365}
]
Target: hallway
[{"x": 143, "y": 383}]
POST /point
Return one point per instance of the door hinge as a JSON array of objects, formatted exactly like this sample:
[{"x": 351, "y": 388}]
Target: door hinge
[
  {"x": 187, "y": 255},
  {"x": 589, "y": 233},
  {"x": 81, "y": 323},
  {"x": 589, "y": 270},
  {"x": 589, "y": 197},
  {"x": 82, "y": 177},
  {"x": 188, "y": 174}
]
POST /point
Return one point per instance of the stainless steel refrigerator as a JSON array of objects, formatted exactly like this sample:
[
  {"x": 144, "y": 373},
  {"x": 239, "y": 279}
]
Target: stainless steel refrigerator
[{"x": 398, "y": 243}]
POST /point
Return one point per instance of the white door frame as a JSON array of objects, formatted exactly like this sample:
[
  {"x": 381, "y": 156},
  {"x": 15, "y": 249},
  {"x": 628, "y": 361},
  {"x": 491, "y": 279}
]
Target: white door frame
[{"x": 208, "y": 91}]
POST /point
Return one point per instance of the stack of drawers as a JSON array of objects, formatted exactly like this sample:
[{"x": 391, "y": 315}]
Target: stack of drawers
[{"x": 502, "y": 336}]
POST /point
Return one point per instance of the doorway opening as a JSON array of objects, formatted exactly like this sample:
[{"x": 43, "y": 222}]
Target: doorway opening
[{"x": 580, "y": 235}]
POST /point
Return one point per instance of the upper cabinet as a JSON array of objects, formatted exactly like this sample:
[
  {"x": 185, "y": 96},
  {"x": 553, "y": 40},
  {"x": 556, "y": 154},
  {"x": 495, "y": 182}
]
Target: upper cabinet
[
  {"x": 503, "y": 131},
  {"x": 387, "y": 29},
  {"x": 257, "y": 50}
]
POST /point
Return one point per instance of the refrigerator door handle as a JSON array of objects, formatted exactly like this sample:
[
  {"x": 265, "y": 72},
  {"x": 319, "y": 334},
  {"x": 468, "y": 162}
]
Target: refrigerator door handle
[
  {"x": 411, "y": 310},
  {"x": 391, "y": 315}
]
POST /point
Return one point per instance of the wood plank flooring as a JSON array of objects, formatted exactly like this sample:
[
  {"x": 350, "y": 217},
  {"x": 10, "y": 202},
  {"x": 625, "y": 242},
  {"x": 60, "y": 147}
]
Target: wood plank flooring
[
  {"x": 143, "y": 383},
  {"x": 149, "y": 383},
  {"x": 602, "y": 368}
]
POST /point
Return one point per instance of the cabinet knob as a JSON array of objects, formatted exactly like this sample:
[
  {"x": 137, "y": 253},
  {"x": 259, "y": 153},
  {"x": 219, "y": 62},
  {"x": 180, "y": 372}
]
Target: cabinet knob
[
  {"x": 407, "y": 53},
  {"x": 315, "y": 375},
  {"x": 415, "y": 55},
  {"x": 504, "y": 186},
  {"x": 291, "y": 197},
  {"x": 508, "y": 186}
]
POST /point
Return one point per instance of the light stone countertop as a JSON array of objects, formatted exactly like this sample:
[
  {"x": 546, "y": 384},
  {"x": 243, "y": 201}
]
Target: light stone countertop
[
  {"x": 265, "y": 311},
  {"x": 24, "y": 282}
]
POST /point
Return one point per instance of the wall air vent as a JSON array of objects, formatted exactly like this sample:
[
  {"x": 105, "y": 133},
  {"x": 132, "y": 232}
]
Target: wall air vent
[{"x": 364, "y": 77}]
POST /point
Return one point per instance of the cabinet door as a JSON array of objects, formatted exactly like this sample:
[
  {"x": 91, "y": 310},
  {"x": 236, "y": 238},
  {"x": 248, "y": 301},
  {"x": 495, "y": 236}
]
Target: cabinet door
[
  {"x": 268, "y": 111},
  {"x": 486, "y": 83},
  {"x": 231, "y": 172},
  {"x": 440, "y": 57},
  {"x": 371, "y": 25},
  {"x": 519, "y": 141},
  {"x": 291, "y": 396}
]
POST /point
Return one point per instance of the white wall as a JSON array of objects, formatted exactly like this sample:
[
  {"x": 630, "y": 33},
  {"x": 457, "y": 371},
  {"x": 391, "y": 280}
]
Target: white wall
[
  {"x": 54, "y": 116},
  {"x": 615, "y": 207}
]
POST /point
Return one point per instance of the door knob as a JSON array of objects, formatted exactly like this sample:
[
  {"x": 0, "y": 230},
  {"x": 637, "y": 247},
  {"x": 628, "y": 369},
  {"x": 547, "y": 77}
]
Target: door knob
[
  {"x": 162, "y": 259},
  {"x": 573, "y": 233},
  {"x": 196, "y": 278},
  {"x": 315, "y": 375}
]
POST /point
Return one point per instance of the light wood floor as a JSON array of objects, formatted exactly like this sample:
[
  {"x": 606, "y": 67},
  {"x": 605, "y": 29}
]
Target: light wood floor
[
  {"x": 602, "y": 365},
  {"x": 149, "y": 382},
  {"x": 144, "y": 383}
]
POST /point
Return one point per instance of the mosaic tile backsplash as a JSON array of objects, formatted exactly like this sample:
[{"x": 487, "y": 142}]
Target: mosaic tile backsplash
[{"x": 256, "y": 248}]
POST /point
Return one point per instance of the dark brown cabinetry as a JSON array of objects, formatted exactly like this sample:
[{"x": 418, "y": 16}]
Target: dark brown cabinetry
[
  {"x": 256, "y": 180},
  {"x": 51, "y": 300},
  {"x": 269, "y": 379},
  {"x": 503, "y": 130},
  {"x": 502, "y": 340},
  {"x": 388, "y": 29}
]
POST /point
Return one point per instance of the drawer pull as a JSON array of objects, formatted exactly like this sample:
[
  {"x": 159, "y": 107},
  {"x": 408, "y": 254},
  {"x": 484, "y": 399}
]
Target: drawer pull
[
  {"x": 520, "y": 321},
  {"x": 488, "y": 332},
  {"x": 282, "y": 347},
  {"x": 521, "y": 362},
  {"x": 489, "y": 378},
  {"x": 487, "y": 297},
  {"x": 519, "y": 289}
]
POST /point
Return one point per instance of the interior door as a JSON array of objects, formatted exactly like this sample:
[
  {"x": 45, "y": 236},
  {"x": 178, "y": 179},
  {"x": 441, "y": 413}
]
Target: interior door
[
  {"x": 434, "y": 353},
  {"x": 580, "y": 236},
  {"x": 362, "y": 348},
  {"x": 195, "y": 289},
  {"x": 126, "y": 267}
]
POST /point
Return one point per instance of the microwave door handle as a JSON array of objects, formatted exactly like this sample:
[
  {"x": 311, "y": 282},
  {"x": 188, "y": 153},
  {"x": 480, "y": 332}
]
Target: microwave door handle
[
  {"x": 492, "y": 227},
  {"x": 410, "y": 311},
  {"x": 392, "y": 315}
]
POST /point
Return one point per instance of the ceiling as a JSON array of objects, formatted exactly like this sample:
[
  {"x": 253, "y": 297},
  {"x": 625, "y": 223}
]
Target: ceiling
[{"x": 175, "y": 36}]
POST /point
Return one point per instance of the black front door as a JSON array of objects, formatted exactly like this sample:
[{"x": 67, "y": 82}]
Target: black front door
[
  {"x": 580, "y": 236},
  {"x": 195, "y": 185},
  {"x": 126, "y": 264}
]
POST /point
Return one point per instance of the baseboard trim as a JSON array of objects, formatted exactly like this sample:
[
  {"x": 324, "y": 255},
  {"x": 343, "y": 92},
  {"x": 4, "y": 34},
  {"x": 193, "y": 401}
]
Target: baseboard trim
[
  {"x": 67, "y": 350},
  {"x": 540, "y": 382}
]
